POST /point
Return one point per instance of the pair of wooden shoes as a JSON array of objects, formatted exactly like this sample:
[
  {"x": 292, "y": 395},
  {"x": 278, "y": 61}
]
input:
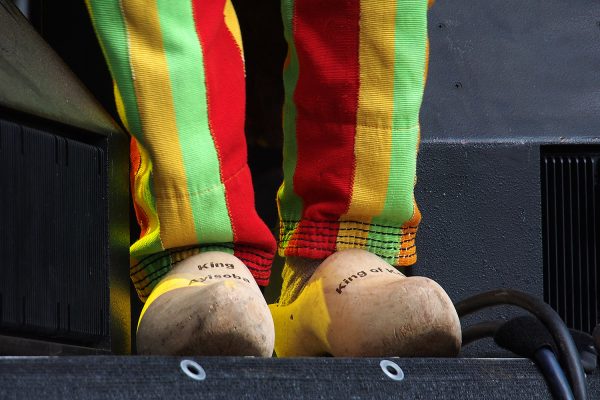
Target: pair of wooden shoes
[{"x": 355, "y": 304}]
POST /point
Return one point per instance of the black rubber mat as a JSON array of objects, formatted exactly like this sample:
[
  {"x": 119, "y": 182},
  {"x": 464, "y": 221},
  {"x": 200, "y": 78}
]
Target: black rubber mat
[{"x": 251, "y": 378}]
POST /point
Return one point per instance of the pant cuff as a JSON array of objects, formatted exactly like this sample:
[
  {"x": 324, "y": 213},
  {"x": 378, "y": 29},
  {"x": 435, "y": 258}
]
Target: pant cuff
[{"x": 319, "y": 239}]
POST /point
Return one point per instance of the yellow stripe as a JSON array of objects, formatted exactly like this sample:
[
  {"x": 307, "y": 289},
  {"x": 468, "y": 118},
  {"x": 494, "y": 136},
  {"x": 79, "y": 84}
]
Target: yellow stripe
[
  {"x": 373, "y": 140},
  {"x": 141, "y": 191},
  {"x": 233, "y": 25},
  {"x": 166, "y": 285},
  {"x": 120, "y": 105},
  {"x": 155, "y": 103},
  {"x": 426, "y": 62},
  {"x": 352, "y": 235},
  {"x": 177, "y": 281},
  {"x": 143, "y": 197}
]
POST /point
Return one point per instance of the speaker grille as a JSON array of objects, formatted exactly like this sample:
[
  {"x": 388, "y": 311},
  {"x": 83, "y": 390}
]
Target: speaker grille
[
  {"x": 53, "y": 236},
  {"x": 571, "y": 229}
]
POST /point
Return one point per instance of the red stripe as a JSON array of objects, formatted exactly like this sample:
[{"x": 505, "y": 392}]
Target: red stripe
[
  {"x": 226, "y": 96},
  {"x": 250, "y": 230},
  {"x": 225, "y": 88},
  {"x": 326, "y": 37},
  {"x": 136, "y": 162}
]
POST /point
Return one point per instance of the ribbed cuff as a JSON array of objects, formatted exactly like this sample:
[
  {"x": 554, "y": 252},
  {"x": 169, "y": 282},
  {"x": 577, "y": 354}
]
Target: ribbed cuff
[{"x": 319, "y": 239}]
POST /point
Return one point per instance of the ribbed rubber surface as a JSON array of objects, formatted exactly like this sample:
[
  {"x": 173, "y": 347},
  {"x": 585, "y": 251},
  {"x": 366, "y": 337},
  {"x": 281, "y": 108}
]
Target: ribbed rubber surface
[
  {"x": 248, "y": 378},
  {"x": 571, "y": 231},
  {"x": 53, "y": 236}
]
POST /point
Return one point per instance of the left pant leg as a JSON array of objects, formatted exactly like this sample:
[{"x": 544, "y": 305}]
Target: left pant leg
[
  {"x": 179, "y": 85},
  {"x": 354, "y": 81}
]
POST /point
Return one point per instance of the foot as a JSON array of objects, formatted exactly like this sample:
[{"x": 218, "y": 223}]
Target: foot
[
  {"x": 209, "y": 304},
  {"x": 357, "y": 305}
]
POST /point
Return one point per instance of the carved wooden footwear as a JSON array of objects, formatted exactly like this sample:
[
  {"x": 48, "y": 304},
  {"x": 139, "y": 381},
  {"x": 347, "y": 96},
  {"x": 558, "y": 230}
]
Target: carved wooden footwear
[
  {"x": 209, "y": 304},
  {"x": 355, "y": 304}
]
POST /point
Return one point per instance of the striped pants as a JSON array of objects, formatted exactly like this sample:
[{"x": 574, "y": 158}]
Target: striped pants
[{"x": 353, "y": 78}]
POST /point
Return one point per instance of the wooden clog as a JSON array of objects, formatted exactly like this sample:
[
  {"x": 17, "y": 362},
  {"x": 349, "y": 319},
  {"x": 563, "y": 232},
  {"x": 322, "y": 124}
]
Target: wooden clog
[
  {"x": 208, "y": 304},
  {"x": 357, "y": 305}
]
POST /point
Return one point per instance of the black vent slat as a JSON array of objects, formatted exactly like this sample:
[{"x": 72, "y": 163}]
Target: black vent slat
[
  {"x": 589, "y": 272},
  {"x": 589, "y": 244},
  {"x": 571, "y": 225},
  {"x": 546, "y": 207},
  {"x": 585, "y": 271},
  {"x": 559, "y": 235},
  {"x": 570, "y": 244},
  {"x": 53, "y": 241},
  {"x": 595, "y": 281},
  {"x": 578, "y": 266}
]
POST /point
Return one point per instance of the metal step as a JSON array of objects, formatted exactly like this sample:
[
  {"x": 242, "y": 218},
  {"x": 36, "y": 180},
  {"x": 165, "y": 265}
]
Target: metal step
[{"x": 122, "y": 377}]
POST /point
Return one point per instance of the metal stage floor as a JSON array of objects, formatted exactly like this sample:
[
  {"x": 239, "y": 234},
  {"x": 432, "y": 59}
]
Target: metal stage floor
[{"x": 136, "y": 377}]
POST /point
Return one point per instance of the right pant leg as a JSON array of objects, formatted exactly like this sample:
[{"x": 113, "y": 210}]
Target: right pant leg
[
  {"x": 354, "y": 81},
  {"x": 179, "y": 86}
]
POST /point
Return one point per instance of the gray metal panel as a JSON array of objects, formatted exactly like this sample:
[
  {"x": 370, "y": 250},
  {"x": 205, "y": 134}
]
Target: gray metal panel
[
  {"x": 34, "y": 80},
  {"x": 32, "y": 347},
  {"x": 505, "y": 77},
  {"x": 481, "y": 227},
  {"x": 513, "y": 68},
  {"x": 253, "y": 378}
]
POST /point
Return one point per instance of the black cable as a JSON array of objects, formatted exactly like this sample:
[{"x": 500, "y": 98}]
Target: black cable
[
  {"x": 587, "y": 351},
  {"x": 583, "y": 341},
  {"x": 479, "y": 331},
  {"x": 537, "y": 345},
  {"x": 546, "y": 361},
  {"x": 545, "y": 313},
  {"x": 527, "y": 337}
]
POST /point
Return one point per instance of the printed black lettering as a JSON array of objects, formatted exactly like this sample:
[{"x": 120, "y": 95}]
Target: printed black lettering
[{"x": 346, "y": 281}]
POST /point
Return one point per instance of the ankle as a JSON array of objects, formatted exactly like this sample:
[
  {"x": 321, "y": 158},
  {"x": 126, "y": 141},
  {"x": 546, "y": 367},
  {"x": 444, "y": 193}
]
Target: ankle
[{"x": 296, "y": 273}]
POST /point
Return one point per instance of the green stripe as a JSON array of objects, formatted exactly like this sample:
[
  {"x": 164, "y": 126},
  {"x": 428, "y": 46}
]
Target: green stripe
[
  {"x": 112, "y": 33},
  {"x": 150, "y": 247},
  {"x": 188, "y": 89},
  {"x": 409, "y": 69},
  {"x": 380, "y": 243},
  {"x": 290, "y": 203},
  {"x": 110, "y": 28}
]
